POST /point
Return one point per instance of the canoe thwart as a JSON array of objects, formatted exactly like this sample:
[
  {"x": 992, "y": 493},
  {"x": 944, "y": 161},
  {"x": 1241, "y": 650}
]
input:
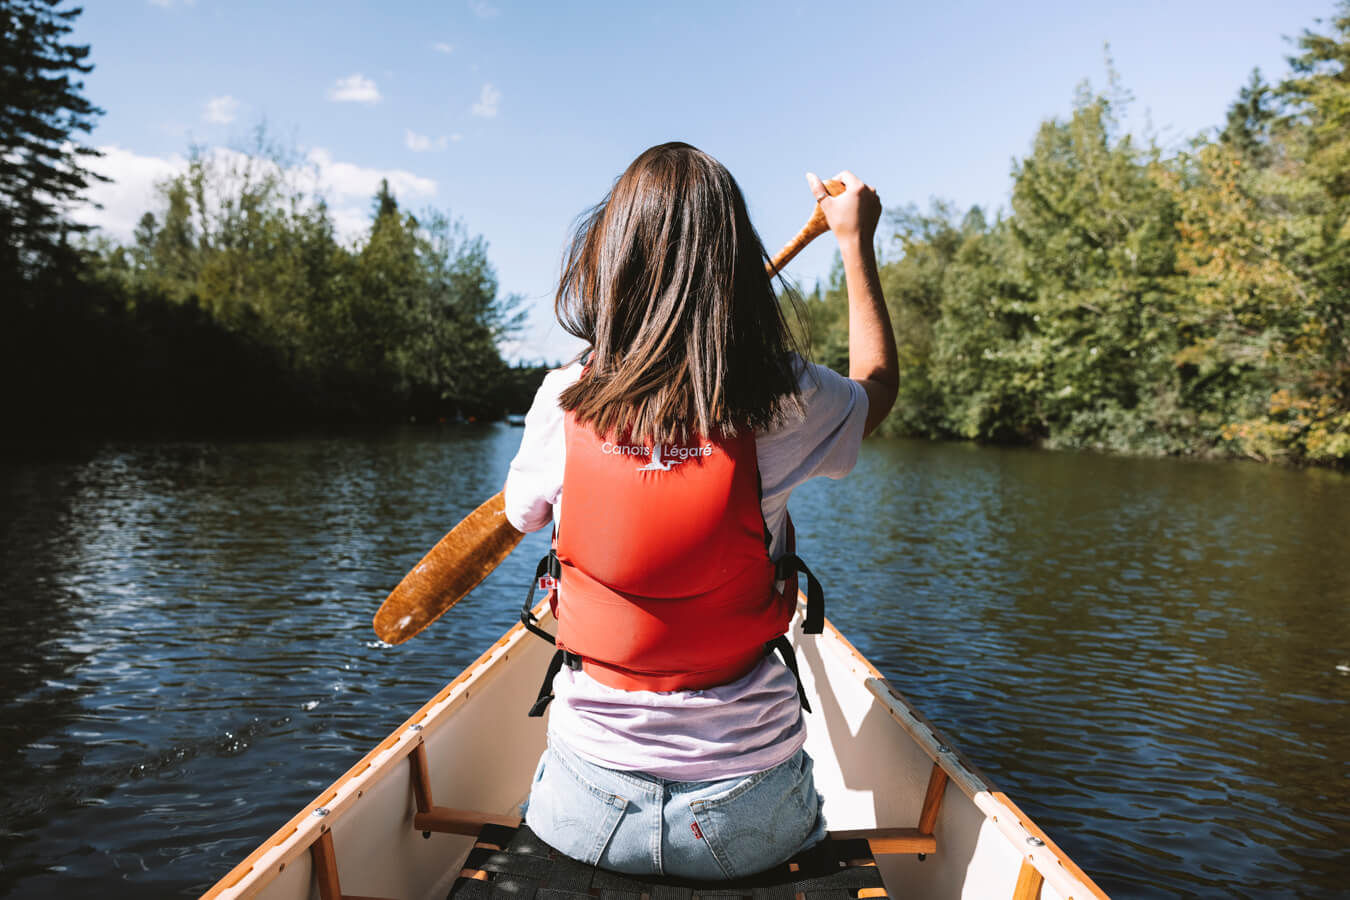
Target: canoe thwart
[
  {"x": 883, "y": 841},
  {"x": 445, "y": 819},
  {"x": 920, "y": 840},
  {"x": 529, "y": 868}
]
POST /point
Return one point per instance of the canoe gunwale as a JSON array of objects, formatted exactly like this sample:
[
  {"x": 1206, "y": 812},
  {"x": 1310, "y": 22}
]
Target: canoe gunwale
[
  {"x": 1058, "y": 868},
  {"x": 297, "y": 836},
  {"x": 1047, "y": 858}
]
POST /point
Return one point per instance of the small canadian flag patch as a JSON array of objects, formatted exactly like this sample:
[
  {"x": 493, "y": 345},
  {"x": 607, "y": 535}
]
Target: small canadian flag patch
[
  {"x": 698, "y": 832},
  {"x": 547, "y": 582}
]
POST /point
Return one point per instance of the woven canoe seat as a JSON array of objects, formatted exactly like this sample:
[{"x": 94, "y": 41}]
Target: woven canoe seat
[{"x": 514, "y": 864}]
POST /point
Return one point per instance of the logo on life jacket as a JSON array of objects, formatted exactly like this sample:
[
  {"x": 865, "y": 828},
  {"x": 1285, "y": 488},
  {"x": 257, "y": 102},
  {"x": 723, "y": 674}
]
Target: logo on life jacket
[{"x": 662, "y": 458}]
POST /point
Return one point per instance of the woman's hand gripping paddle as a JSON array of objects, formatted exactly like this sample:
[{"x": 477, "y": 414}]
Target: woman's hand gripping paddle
[{"x": 463, "y": 558}]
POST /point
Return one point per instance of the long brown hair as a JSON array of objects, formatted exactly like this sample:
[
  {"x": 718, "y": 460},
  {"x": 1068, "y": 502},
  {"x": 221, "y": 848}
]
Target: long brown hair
[{"x": 665, "y": 281}]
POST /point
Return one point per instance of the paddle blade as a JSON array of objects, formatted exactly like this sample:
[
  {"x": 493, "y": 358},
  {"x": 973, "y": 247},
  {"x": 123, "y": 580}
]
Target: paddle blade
[{"x": 455, "y": 566}]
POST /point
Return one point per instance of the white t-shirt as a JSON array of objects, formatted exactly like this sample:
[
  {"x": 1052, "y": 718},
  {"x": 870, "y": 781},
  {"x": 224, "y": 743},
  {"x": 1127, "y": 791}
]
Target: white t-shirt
[{"x": 730, "y": 730}]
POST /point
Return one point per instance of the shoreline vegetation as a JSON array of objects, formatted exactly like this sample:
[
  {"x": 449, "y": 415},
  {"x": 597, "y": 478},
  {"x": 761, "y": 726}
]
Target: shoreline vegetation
[
  {"x": 237, "y": 307},
  {"x": 1135, "y": 299}
]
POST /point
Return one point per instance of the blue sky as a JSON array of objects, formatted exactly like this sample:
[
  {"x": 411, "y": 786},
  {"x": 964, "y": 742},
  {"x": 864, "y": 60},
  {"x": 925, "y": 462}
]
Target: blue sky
[{"x": 516, "y": 116}]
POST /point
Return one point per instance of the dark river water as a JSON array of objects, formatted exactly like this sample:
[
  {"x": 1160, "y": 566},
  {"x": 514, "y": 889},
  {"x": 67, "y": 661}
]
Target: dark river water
[{"x": 1151, "y": 657}]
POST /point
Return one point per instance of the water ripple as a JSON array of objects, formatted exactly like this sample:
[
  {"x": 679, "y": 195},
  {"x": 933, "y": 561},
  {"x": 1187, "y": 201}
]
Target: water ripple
[{"x": 1150, "y": 656}]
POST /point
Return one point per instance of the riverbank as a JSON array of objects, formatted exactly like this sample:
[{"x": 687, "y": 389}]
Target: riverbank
[{"x": 1139, "y": 298}]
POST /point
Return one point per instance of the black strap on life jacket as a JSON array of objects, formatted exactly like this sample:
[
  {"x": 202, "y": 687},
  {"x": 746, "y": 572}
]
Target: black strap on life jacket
[
  {"x": 549, "y": 566},
  {"x": 785, "y": 650},
  {"x": 560, "y": 658},
  {"x": 787, "y": 565}
]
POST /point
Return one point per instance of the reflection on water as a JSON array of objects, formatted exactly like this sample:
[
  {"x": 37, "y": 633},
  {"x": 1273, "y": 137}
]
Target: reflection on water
[{"x": 1143, "y": 653}]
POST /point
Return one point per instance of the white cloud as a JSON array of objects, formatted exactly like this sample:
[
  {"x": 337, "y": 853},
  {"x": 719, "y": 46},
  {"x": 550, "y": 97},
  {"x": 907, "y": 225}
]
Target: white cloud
[
  {"x": 442, "y": 47},
  {"x": 351, "y": 186},
  {"x": 456, "y": 138},
  {"x": 421, "y": 143},
  {"x": 482, "y": 9},
  {"x": 170, "y": 4},
  {"x": 348, "y": 181},
  {"x": 348, "y": 186},
  {"x": 488, "y": 101},
  {"x": 350, "y": 222},
  {"x": 354, "y": 89},
  {"x": 221, "y": 110},
  {"x": 130, "y": 194}
]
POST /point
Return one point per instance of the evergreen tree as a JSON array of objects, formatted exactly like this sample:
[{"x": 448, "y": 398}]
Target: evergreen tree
[
  {"x": 384, "y": 203},
  {"x": 1250, "y": 117},
  {"x": 42, "y": 170}
]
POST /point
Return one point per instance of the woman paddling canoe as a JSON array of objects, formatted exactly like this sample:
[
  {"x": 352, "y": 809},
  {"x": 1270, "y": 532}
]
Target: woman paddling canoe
[{"x": 664, "y": 457}]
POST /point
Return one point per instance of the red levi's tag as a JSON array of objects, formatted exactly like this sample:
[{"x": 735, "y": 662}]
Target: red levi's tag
[{"x": 698, "y": 833}]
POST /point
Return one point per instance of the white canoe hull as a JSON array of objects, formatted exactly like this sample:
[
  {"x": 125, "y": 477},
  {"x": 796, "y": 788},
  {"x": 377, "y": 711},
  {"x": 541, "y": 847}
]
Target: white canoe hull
[{"x": 873, "y": 753}]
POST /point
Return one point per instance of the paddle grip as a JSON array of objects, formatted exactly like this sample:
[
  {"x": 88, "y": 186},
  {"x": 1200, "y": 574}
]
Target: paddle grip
[{"x": 814, "y": 228}]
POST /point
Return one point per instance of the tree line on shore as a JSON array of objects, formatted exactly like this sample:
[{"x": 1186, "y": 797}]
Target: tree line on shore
[
  {"x": 1133, "y": 298},
  {"x": 236, "y": 303},
  {"x": 1138, "y": 300}
]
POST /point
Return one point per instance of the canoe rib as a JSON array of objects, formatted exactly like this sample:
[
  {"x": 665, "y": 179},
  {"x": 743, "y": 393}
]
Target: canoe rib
[{"x": 325, "y": 870}]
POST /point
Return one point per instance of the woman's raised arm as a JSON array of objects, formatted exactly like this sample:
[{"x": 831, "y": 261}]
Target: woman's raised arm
[{"x": 872, "y": 361}]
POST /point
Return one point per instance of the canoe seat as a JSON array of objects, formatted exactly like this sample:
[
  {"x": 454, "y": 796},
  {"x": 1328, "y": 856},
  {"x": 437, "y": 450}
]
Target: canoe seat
[{"x": 514, "y": 862}]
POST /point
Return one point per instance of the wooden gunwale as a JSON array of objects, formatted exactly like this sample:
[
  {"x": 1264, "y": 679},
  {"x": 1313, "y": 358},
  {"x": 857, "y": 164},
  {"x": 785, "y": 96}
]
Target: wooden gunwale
[
  {"x": 1047, "y": 857},
  {"x": 1053, "y": 863},
  {"x": 295, "y": 837}
]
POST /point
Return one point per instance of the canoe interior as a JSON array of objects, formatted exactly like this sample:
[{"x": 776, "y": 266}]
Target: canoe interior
[{"x": 873, "y": 758}]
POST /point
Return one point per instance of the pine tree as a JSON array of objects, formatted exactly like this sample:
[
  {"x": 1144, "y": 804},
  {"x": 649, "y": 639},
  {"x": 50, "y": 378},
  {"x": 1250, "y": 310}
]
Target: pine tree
[
  {"x": 384, "y": 203},
  {"x": 42, "y": 169},
  {"x": 1250, "y": 118}
]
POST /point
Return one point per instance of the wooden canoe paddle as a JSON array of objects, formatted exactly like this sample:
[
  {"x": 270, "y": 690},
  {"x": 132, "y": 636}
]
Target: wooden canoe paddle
[{"x": 463, "y": 558}]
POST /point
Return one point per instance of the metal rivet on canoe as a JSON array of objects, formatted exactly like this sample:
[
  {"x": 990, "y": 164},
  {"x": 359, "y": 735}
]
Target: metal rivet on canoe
[
  {"x": 1035, "y": 841},
  {"x": 943, "y": 748},
  {"x": 416, "y": 726},
  {"x": 320, "y": 811}
]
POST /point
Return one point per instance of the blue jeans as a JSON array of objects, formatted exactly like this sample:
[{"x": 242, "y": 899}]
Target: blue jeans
[{"x": 710, "y": 830}]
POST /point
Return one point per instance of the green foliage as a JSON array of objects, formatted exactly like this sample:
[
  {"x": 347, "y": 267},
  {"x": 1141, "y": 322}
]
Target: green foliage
[
  {"x": 236, "y": 304},
  {"x": 1136, "y": 302}
]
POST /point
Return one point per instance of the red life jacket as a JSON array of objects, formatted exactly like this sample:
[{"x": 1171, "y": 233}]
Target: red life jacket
[{"x": 666, "y": 581}]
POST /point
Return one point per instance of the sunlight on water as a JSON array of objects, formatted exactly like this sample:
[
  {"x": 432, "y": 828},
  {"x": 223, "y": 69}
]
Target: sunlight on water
[{"x": 1151, "y": 657}]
